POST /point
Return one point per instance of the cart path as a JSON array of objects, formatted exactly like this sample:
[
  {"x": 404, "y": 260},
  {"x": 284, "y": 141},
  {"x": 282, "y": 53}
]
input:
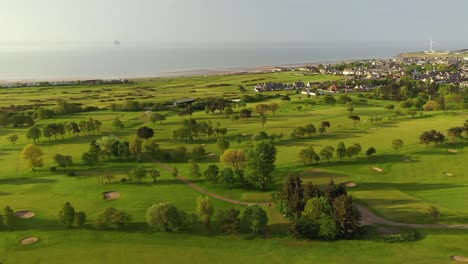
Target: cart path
[{"x": 367, "y": 216}]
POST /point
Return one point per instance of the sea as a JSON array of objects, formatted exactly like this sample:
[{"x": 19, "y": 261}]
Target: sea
[{"x": 49, "y": 61}]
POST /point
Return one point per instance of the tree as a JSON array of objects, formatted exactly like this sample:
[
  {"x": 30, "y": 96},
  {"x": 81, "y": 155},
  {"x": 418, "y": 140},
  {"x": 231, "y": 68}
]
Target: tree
[
  {"x": 79, "y": 220},
  {"x": 151, "y": 146},
  {"x": 175, "y": 171},
  {"x": 137, "y": 173},
  {"x": 155, "y": 117},
  {"x": 255, "y": 218},
  {"x": 261, "y": 163},
  {"x": 316, "y": 207},
  {"x": 327, "y": 153},
  {"x": 308, "y": 155},
  {"x": 198, "y": 151},
  {"x": 370, "y": 151},
  {"x": 455, "y": 132},
  {"x": 4, "y": 119},
  {"x": 112, "y": 218},
  {"x": 323, "y": 127},
  {"x": 292, "y": 196},
  {"x": 211, "y": 173},
  {"x": 355, "y": 119},
  {"x": 145, "y": 132},
  {"x": 227, "y": 177},
  {"x": 117, "y": 123},
  {"x": 397, "y": 144},
  {"x": 327, "y": 227},
  {"x": 153, "y": 173},
  {"x": 353, "y": 150},
  {"x": 341, "y": 150},
  {"x": 66, "y": 215},
  {"x": 235, "y": 157},
  {"x": 433, "y": 212},
  {"x": 228, "y": 111},
  {"x": 310, "y": 129},
  {"x": 263, "y": 120},
  {"x": 222, "y": 144},
  {"x": 245, "y": 113},
  {"x": 135, "y": 146},
  {"x": 63, "y": 161},
  {"x": 431, "y": 105},
  {"x": 13, "y": 138},
  {"x": 32, "y": 154},
  {"x": 9, "y": 218},
  {"x": 33, "y": 133},
  {"x": 390, "y": 107},
  {"x": 329, "y": 99},
  {"x": 194, "y": 168},
  {"x": 229, "y": 220},
  {"x": 204, "y": 209},
  {"x": 90, "y": 158},
  {"x": 261, "y": 109},
  {"x": 346, "y": 215},
  {"x": 164, "y": 217},
  {"x": 273, "y": 107}
]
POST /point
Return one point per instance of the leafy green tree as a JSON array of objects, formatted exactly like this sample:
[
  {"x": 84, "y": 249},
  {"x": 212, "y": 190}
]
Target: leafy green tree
[
  {"x": 205, "y": 209},
  {"x": 194, "y": 169},
  {"x": 355, "y": 119},
  {"x": 229, "y": 220},
  {"x": 156, "y": 117},
  {"x": 255, "y": 218},
  {"x": 175, "y": 171},
  {"x": 226, "y": 176},
  {"x": 370, "y": 151},
  {"x": 263, "y": 120},
  {"x": 112, "y": 218},
  {"x": 310, "y": 129},
  {"x": 292, "y": 196},
  {"x": 63, "y": 161},
  {"x": 153, "y": 173},
  {"x": 353, "y": 150},
  {"x": 34, "y": 133},
  {"x": 261, "y": 163},
  {"x": 13, "y": 138},
  {"x": 198, "y": 151},
  {"x": 32, "y": 155},
  {"x": 164, "y": 217},
  {"x": 211, "y": 174},
  {"x": 79, "y": 219},
  {"x": 235, "y": 157},
  {"x": 347, "y": 216},
  {"x": 90, "y": 158},
  {"x": 308, "y": 155},
  {"x": 117, "y": 123},
  {"x": 151, "y": 146},
  {"x": 433, "y": 212},
  {"x": 316, "y": 207},
  {"x": 327, "y": 153},
  {"x": 341, "y": 151},
  {"x": 137, "y": 173},
  {"x": 145, "y": 132},
  {"x": 397, "y": 144},
  {"x": 328, "y": 228},
  {"x": 329, "y": 99},
  {"x": 273, "y": 107},
  {"x": 135, "y": 146},
  {"x": 9, "y": 218},
  {"x": 455, "y": 132},
  {"x": 66, "y": 215},
  {"x": 222, "y": 144}
]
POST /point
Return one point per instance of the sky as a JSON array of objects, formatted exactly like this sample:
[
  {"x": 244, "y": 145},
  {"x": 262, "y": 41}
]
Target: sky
[{"x": 233, "y": 21}]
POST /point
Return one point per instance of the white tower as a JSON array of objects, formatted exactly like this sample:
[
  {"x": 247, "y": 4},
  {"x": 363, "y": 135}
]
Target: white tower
[{"x": 430, "y": 45}]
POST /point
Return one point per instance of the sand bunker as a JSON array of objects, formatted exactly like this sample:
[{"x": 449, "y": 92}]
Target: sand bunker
[
  {"x": 351, "y": 184},
  {"x": 316, "y": 170},
  {"x": 29, "y": 240},
  {"x": 448, "y": 174},
  {"x": 452, "y": 150},
  {"x": 244, "y": 134},
  {"x": 210, "y": 154},
  {"x": 24, "y": 214},
  {"x": 377, "y": 169},
  {"x": 460, "y": 258},
  {"x": 111, "y": 195}
]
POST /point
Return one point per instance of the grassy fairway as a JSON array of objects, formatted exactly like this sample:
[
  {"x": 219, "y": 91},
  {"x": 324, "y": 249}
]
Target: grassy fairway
[{"x": 413, "y": 178}]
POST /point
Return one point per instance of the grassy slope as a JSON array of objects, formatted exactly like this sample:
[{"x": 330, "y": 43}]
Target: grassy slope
[{"x": 402, "y": 192}]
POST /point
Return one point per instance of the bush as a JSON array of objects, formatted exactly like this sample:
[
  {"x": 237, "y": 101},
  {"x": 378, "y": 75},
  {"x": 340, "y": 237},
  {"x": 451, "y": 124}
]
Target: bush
[
  {"x": 164, "y": 217},
  {"x": 71, "y": 173},
  {"x": 112, "y": 218},
  {"x": 405, "y": 234}
]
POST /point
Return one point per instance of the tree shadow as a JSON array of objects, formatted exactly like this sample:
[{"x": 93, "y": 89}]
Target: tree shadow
[
  {"x": 407, "y": 186},
  {"x": 20, "y": 181},
  {"x": 381, "y": 159}
]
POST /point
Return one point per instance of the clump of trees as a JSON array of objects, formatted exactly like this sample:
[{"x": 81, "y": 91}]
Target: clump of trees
[
  {"x": 113, "y": 219},
  {"x": 431, "y": 136},
  {"x": 326, "y": 213},
  {"x": 300, "y": 132},
  {"x": 68, "y": 217}
]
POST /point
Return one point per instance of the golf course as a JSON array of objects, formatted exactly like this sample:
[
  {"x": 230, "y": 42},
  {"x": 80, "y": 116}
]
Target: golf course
[{"x": 413, "y": 187}]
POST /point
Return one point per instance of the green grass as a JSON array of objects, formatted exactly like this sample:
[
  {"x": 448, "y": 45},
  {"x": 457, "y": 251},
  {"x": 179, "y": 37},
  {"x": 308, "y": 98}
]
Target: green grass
[{"x": 412, "y": 180}]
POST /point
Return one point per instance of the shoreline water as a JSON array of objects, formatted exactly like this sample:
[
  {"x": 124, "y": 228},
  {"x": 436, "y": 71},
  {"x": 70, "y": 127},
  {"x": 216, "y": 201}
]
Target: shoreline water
[{"x": 185, "y": 73}]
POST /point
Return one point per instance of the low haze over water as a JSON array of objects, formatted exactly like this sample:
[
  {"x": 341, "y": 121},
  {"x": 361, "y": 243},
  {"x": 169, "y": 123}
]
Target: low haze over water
[{"x": 18, "y": 62}]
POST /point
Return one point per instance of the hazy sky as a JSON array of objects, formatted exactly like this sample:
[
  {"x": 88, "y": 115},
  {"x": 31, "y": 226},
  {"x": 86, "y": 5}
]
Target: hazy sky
[{"x": 252, "y": 21}]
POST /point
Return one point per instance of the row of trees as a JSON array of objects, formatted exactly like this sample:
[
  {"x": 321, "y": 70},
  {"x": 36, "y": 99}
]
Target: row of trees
[
  {"x": 192, "y": 130},
  {"x": 87, "y": 127},
  {"x": 309, "y": 155},
  {"x": 310, "y": 129}
]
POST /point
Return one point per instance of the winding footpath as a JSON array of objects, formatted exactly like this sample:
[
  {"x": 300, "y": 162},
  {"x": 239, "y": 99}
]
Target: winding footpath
[{"x": 367, "y": 216}]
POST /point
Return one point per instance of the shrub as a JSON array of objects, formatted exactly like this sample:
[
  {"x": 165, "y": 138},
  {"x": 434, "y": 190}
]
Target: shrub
[{"x": 164, "y": 217}]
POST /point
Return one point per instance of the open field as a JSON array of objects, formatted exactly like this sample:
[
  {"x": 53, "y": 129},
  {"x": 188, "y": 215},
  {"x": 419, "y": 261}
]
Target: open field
[{"x": 412, "y": 179}]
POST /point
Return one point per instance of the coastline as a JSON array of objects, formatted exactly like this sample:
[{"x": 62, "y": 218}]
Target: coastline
[{"x": 183, "y": 73}]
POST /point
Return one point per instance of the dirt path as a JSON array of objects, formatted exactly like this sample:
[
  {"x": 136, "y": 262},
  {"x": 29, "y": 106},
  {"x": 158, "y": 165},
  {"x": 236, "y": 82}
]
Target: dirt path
[
  {"x": 367, "y": 217},
  {"x": 202, "y": 190}
]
